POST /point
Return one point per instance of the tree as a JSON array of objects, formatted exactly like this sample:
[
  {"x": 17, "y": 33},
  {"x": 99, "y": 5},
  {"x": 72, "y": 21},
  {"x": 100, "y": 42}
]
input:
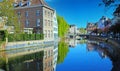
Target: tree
[
  {"x": 82, "y": 31},
  {"x": 63, "y": 26},
  {"x": 109, "y": 3},
  {"x": 7, "y": 10}
]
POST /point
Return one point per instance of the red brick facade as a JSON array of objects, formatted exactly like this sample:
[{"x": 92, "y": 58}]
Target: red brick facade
[
  {"x": 32, "y": 17},
  {"x": 27, "y": 15}
]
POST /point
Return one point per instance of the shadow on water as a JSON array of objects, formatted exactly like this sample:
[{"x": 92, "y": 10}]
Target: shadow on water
[{"x": 106, "y": 50}]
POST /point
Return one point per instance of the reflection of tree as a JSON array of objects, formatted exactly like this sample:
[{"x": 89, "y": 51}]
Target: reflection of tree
[
  {"x": 82, "y": 41},
  {"x": 62, "y": 51}
]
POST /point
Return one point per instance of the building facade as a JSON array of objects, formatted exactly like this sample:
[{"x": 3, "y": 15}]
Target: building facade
[
  {"x": 73, "y": 29},
  {"x": 90, "y": 28},
  {"x": 104, "y": 23},
  {"x": 55, "y": 24},
  {"x": 35, "y": 14}
]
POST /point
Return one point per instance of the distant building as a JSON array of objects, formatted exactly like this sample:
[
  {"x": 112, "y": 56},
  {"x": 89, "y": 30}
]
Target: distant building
[
  {"x": 35, "y": 14},
  {"x": 73, "y": 29},
  {"x": 90, "y": 28},
  {"x": 104, "y": 23}
]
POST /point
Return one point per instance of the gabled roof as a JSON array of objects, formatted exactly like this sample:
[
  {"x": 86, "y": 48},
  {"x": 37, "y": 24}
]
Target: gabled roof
[{"x": 33, "y": 2}]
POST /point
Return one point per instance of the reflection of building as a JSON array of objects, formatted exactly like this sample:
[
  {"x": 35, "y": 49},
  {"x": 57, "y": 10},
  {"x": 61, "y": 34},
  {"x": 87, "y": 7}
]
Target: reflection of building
[
  {"x": 72, "y": 42},
  {"x": 48, "y": 58},
  {"x": 55, "y": 55},
  {"x": 95, "y": 46},
  {"x": 29, "y": 59}
]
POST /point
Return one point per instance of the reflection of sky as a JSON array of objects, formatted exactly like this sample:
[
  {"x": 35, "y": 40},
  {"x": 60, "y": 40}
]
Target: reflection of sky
[{"x": 79, "y": 59}]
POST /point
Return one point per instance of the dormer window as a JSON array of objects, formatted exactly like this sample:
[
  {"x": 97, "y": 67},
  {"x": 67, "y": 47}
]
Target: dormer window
[
  {"x": 14, "y": 4},
  {"x": 28, "y": 3},
  {"x": 20, "y": 3}
]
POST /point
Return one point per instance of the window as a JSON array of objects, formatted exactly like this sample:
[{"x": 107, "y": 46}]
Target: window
[
  {"x": 28, "y": 3},
  {"x": 26, "y": 13},
  {"x": 38, "y": 22},
  {"x": 46, "y": 33},
  {"x": 20, "y": 3},
  {"x": 51, "y": 23},
  {"x": 38, "y": 13},
  {"x": 19, "y": 13},
  {"x": 45, "y": 22},
  {"x": 26, "y": 23},
  {"x": 14, "y": 4},
  {"x": 45, "y": 13},
  {"x": 51, "y": 15},
  {"x": 48, "y": 14},
  {"x": 49, "y": 33},
  {"x": 48, "y": 22}
]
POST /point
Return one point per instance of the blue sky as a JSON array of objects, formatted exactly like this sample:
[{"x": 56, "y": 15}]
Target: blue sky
[{"x": 79, "y": 12}]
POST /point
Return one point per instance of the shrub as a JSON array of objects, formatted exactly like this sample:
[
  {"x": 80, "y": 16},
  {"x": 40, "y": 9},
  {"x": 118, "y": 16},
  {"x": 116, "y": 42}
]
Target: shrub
[{"x": 24, "y": 37}]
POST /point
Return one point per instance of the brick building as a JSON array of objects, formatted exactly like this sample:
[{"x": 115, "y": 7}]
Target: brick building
[
  {"x": 90, "y": 27},
  {"x": 35, "y": 14}
]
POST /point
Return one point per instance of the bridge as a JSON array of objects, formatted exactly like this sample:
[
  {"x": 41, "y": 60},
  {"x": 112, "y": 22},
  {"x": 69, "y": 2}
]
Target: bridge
[{"x": 78, "y": 35}]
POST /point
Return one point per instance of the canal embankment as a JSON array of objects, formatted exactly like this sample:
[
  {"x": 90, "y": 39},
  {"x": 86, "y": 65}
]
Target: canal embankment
[
  {"x": 106, "y": 40},
  {"x": 24, "y": 44}
]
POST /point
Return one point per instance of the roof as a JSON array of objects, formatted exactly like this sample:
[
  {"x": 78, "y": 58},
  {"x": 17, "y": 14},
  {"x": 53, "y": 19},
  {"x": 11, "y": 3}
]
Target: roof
[{"x": 33, "y": 2}]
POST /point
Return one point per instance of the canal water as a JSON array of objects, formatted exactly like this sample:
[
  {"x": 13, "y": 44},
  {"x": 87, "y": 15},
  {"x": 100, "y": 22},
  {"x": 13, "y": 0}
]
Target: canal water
[{"x": 75, "y": 55}]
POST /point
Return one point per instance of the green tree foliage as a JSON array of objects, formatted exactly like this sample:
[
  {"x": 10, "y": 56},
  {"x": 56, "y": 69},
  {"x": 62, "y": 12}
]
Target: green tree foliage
[
  {"x": 62, "y": 51},
  {"x": 62, "y": 26},
  {"x": 83, "y": 31},
  {"x": 7, "y": 10}
]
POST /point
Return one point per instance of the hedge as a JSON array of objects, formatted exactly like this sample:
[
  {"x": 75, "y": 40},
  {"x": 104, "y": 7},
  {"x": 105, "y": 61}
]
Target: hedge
[{"x": 24, "y": 37}]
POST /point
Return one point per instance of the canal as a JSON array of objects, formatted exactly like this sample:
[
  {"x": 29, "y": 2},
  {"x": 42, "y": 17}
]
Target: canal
[{"x": 75, "y": 55}]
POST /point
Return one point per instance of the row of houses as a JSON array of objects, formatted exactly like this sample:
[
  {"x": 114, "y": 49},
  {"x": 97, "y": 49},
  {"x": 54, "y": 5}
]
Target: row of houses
[{"x": 104, "y": 23}]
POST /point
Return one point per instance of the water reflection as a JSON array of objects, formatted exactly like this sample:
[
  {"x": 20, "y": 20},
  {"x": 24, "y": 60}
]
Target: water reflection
[
  {"x": 62, "y": 51},
  {"x": 106, "y": 50},
  {"x": 30, "y": 59},
  {"x": 73, "y": 42},
  {"x": 59, "y": 57}
]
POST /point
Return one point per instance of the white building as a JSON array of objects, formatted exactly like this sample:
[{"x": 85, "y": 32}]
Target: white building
[
  {"x": 55, "y": 26},
  {"x": 55, "y": 32},
  {"x": 73, "y": 29}
]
